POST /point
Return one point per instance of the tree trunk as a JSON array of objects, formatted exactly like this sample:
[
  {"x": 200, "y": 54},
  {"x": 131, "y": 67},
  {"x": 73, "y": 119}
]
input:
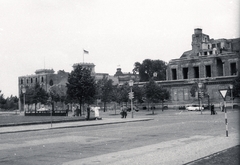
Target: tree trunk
[
  {"x": 162, "y": 105},
  {"x": 152, "y": 110},
  {"x": 35, "y": 108},
  {"x": 104, "y": 108}
]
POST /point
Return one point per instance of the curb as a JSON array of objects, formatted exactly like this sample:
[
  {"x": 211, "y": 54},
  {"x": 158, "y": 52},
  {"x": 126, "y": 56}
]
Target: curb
[{"x": 72, "y": 126}]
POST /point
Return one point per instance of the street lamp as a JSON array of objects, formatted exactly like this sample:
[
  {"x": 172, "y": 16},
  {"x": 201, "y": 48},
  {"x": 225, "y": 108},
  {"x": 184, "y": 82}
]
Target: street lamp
[
  {"x": 23, "y": 91},
  {"x": 131, "y": 95},
  {"x": 231, "y": 88},
  {"x": 200, "y": 85},
  {"x": 50, "y": 103}
]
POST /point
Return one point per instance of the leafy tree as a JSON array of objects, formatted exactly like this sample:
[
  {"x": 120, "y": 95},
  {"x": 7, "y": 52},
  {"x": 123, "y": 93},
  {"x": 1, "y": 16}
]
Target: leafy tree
[
  {"x": 39, "y": 95},
  {"x": 120, "y": 93},
  {"x": 155, "y": 93},
  {"x": 105, "y": 89},
  {"x": 138, "y": 93},
  {"x": 57, "y": 93},
  {"x": 148, "y": 67},
  {"x": 124, "y": 90},
  {"x": 9, "y": 103},
  {"x": 81, "y": 86},
  {"x": 2, "y": 100},
  {"x": 236, "y": 86},
  {"x": 12, "y": 102}
]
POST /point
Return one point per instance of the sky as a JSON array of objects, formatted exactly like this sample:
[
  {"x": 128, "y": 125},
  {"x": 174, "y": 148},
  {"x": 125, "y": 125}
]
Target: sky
[{"x": 51, "y": 34}]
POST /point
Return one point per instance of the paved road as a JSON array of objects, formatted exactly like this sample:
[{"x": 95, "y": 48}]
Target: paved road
[{"x": 173, "y": 137}]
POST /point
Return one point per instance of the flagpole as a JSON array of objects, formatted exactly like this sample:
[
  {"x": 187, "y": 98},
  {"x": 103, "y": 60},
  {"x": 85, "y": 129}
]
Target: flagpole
[{"x": 83, "y": 55}]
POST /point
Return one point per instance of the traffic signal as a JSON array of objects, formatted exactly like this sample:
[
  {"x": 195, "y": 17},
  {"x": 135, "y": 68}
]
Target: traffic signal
[
  {"x": 200, "y": 94},
  {"x": 131, "y": 95}
]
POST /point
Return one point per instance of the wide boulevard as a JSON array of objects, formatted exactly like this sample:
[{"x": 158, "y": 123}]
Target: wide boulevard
[{"x": 121, "y": 143}]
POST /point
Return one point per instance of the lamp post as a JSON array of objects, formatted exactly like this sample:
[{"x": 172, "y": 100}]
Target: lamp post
[
  {"x": 231, "y": 88},
  {"x": 200, "y": 85},
  {"x": 23, "y": 91},
  {"x": 131, "y": 95},
  {"x": 50, "y": 103}
]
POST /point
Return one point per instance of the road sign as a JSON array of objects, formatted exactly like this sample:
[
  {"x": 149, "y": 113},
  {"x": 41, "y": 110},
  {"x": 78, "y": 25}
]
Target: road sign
[{"x": 223, "y": 93}]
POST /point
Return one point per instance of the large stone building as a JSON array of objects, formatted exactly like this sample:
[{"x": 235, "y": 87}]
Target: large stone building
[
  {"x": 215, "y": 63},
  {"x": 46, "y": 79}
]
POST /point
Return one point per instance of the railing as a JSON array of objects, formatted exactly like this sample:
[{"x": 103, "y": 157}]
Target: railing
[{"x": 47, "y": 113}]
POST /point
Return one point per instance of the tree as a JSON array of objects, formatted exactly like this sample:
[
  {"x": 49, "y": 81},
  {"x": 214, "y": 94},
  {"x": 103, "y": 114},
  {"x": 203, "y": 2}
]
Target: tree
[
  {"x": 57, "y": 93},
  {"x": 138, "y": 93},
  {"x": 105, "y": 89},
  {"x": 236, "y": 86},
  {"x": 155, "y": 93},
  {"x": 2, "y": 100},
  {"x": 81, "y": 86},
  {"x": 120, "y": 93},
  {"x": 12, "y": 102},
  {"x": 39, "y": 95},
  {"x": 148, "y": 67}
]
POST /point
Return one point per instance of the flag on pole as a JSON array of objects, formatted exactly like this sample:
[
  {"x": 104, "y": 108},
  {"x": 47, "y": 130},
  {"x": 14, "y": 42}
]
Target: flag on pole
[{"x": 85, "y": 51}]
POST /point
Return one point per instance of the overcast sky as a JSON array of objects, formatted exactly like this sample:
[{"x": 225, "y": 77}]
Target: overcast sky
[{"x": 53, "y": 33}]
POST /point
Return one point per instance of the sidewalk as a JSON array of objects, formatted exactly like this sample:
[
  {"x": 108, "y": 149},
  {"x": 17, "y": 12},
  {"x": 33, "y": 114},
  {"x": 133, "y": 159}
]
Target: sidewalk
[
  {"x": 172, "y": 152},
  {"x": 37, "y": 127}
]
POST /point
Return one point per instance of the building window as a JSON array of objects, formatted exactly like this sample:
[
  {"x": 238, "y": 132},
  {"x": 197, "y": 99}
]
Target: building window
[
  {"x": 174, "y": 74},
  {"x": 21, "y": 81},
  {"x": 208, "y": 70},
  {"x": 51, "y": 82},
  {"x": 42, "y": 79},
  {"x": 205, "y": 53},
  {"x": 196, "y": 72},
  {"x": 233, "y": 69},
  {"x": 185, "y": 73},
  {"x": 219, "y": 67},
  {"x": 36, "y": 80},
  {"x": 31, "y": 80},
  {"x": 213, "y": 46},
  {"x": 27, "y": 81}
]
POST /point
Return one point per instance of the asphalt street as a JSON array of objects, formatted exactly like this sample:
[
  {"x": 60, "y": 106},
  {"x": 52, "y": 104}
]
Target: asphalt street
[{"x": 172, "y": 137}]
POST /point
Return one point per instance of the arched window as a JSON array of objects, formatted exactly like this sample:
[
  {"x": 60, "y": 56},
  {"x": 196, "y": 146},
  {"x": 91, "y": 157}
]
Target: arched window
[{"x": 51, "y": 82}]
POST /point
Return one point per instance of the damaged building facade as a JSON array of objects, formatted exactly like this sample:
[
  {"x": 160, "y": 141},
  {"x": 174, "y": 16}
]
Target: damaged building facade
[{"x": 215, "y": 63}]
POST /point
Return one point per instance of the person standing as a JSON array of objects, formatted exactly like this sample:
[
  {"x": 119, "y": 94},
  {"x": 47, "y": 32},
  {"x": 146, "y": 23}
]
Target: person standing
[
  {"x": 88, "y": 112},
  {"x": 96, "y": 112},
  {"x": 124, "y": 111},
  {"x": 212, "y": 109}
]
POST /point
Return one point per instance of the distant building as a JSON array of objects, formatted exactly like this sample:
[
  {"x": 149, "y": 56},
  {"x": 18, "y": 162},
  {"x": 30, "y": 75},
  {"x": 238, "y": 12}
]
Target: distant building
[
  {"x": 214, "y": 62},
  {"x": 48, "y": 78},
  {"x": 125, "y": 77},
  {"x": 45, "y": 77}
]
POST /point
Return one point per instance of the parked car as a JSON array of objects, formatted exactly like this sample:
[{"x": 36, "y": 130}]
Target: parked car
[{"x": 193, "y": 107}]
